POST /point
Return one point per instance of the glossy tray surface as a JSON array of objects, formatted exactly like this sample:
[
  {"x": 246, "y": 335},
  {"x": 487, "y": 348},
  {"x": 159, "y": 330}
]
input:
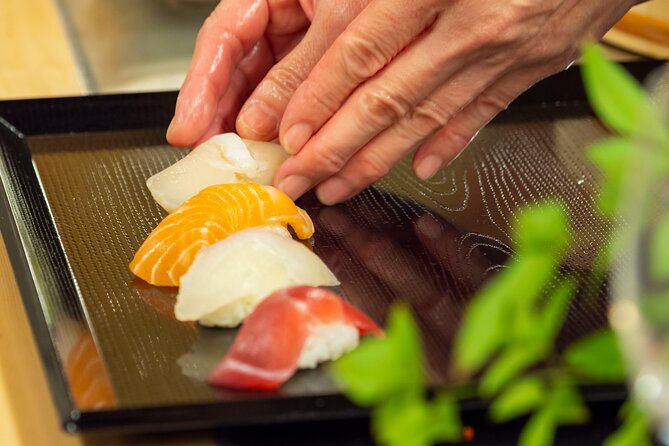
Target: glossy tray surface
[{"x": 76, "y": 208}]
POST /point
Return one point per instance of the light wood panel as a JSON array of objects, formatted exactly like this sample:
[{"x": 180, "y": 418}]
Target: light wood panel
[
  {"x": 36, "y": 61},
  {"x": 35, "y": 57},
  {"x": 644, "y": 31}
]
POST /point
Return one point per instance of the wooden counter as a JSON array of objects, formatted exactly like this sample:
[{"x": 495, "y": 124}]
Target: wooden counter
[{"x": 36, "y": 61}]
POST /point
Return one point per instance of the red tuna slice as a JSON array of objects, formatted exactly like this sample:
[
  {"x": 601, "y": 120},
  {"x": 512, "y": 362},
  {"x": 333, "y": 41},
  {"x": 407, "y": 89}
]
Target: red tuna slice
[{"x": 269, "y": 344}]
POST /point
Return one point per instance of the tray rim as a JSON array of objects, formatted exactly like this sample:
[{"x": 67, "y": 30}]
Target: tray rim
[{"x": 551, "y": 91}]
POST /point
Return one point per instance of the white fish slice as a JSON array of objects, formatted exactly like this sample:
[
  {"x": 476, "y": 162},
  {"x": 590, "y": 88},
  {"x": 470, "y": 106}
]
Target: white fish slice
[
  {"x": 223, "y": 159},
  {"x": 229, "y": 278}
]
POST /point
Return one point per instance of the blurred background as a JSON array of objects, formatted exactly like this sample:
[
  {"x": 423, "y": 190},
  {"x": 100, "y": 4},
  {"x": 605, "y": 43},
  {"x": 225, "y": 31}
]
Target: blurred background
[{"x": 70, "y": 47}]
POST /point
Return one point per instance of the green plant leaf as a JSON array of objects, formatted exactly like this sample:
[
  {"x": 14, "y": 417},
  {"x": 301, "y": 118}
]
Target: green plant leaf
[
  {"x": 597, "y": 357},
  {"x": 617, "y": 97},
  {"x": 410, "y": 420},
  {"x": 552, "y": 316},
  {"x": 505, "y": 368},
  {"x": 566, "y": 403},
  {"x": 518, "y": 399},
  {"x": 542, "y": 229},
  {"x": 611, "y": 157},
  {"x": 482, "y": 330},
  {"x": 445, "y": 415},
  {"x": 634, "y": 431},
  {"x": 659, "y": 253},
  {"x": 539, "y": 430},
  {"x": 381, "y": 368},
  {"x": 562, "y": 405}
]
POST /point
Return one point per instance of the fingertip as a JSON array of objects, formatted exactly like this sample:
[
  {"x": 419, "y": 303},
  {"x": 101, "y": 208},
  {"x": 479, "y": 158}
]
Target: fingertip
[
  {"x": 176, "y": 136},
  {"x": 427, "y": 167},
  {"x": 258, "y": 121},
  {"x": 296, "y": 137},
  {"x": 294, "y": 186},
  {"x": 334, "y": 190}
]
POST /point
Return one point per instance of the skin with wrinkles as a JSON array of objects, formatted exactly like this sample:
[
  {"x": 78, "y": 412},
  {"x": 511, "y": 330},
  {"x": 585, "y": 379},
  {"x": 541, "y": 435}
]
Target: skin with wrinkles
[
  {"x": 241, "y": 43},
  {"x": 390, "y": 77}
]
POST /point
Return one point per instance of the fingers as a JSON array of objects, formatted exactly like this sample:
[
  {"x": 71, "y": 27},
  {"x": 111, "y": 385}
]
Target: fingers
[
  {"x": 226, "y": 37},
  {"x": 377, "y": 157},
  {"x": 456, "y": 135},
  {"x": 286, "y": 17},
  {"x": 367, "y": 45},
  {"x": 262, "y": 112},
  {"x": 250, "y": 72}
]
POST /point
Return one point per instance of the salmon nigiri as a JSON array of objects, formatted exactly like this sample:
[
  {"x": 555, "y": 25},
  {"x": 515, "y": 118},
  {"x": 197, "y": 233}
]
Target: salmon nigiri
[
  {"x": 297, "y": 327},
  {"x": 210, "y": 216}
]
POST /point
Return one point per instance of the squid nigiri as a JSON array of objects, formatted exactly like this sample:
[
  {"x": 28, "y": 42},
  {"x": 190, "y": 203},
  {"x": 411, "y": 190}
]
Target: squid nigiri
[
  {"x": 229, "y": 278},
  {"x": 208, "y": 217},
  {"x": 297, "y": 327},
  {"x": 223, "y": 159}
]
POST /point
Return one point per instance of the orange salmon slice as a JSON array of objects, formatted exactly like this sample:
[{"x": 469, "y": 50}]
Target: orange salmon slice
[{"x": 210, "y": 216}]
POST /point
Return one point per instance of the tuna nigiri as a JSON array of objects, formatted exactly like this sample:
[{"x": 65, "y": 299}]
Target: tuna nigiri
[
  {"x": 229, "y": 278},
  {"x": 223, "y": 159},
  {"x": 208, "y": 217},
  {"x": 297, "y": 327}
]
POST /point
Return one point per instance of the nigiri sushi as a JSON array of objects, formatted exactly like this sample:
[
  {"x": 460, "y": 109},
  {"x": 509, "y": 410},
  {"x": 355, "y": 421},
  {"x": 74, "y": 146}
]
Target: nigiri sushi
[
  {"x": 229, "y": 278},
  {"x": 293, "y": 328},
  {"x": 222, "y": 159},
  {"x": 210, "y": 216}
]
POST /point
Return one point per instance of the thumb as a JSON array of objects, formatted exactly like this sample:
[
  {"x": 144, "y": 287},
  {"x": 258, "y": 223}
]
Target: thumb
[{"x": 260, "y": 116}]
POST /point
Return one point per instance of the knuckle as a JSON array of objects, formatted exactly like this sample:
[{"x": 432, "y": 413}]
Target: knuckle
[
  {"x": 370, "y": 168},
  {"x": 381, "y": 108},
  {"x": 281, "y": 81},
  {"x": 361, "y": 57},
  {"x": 457, "y": 138},
  {"x": 315, "y": 99},
  {"x": 492, "y": 102},
  {"x": 330, "y": 161},
  {"x": 428, "y": 116}
]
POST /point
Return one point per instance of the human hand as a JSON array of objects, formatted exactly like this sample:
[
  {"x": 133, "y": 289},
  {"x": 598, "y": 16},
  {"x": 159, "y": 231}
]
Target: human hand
[
  {"x": 266, "y": 45},
  {"x": 425, "y": 74}
]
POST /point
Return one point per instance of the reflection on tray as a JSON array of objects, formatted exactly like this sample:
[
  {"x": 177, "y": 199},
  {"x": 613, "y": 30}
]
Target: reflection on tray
[{"x": 90, "y": 386}]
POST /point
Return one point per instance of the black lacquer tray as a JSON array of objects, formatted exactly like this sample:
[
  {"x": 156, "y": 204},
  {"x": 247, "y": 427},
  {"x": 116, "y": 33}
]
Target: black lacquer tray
[{"x": 74, "y": 208}]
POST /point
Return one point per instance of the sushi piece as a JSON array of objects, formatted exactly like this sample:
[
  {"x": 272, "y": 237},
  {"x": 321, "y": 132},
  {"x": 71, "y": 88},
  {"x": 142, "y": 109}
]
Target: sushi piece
[
  {"x": 229, "y": 278},
  {"x": 222, "y": 159},
  {"x": 208, "y": 217},
  {"x": 292, "y": 329}
]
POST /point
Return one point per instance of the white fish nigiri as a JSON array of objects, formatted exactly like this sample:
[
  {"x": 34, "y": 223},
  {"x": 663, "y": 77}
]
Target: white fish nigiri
[
  {"x": 223, "y": 159},
  {"x": 229, "y": 278}
]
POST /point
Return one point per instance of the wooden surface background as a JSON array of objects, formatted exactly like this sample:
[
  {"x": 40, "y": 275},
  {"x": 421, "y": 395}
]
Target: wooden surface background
[{"x": 36, "y": 61}]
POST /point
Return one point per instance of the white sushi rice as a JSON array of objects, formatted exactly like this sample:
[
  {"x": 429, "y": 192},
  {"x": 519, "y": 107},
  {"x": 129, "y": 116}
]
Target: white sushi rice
[
  {"x": 232, "y": 314},
  {"x": 328, "y": 342}
]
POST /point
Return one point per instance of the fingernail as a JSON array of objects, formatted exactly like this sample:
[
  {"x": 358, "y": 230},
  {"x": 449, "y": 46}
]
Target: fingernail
[
  {"x": 333, "y": 191},
  {"x": 295, "y": 186},
  {"x": 428, "y": 166},
  {"x": 259, "y": 119},
  {"x": 296, "y": 137},
  {"x": 430, "y": 227}
]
